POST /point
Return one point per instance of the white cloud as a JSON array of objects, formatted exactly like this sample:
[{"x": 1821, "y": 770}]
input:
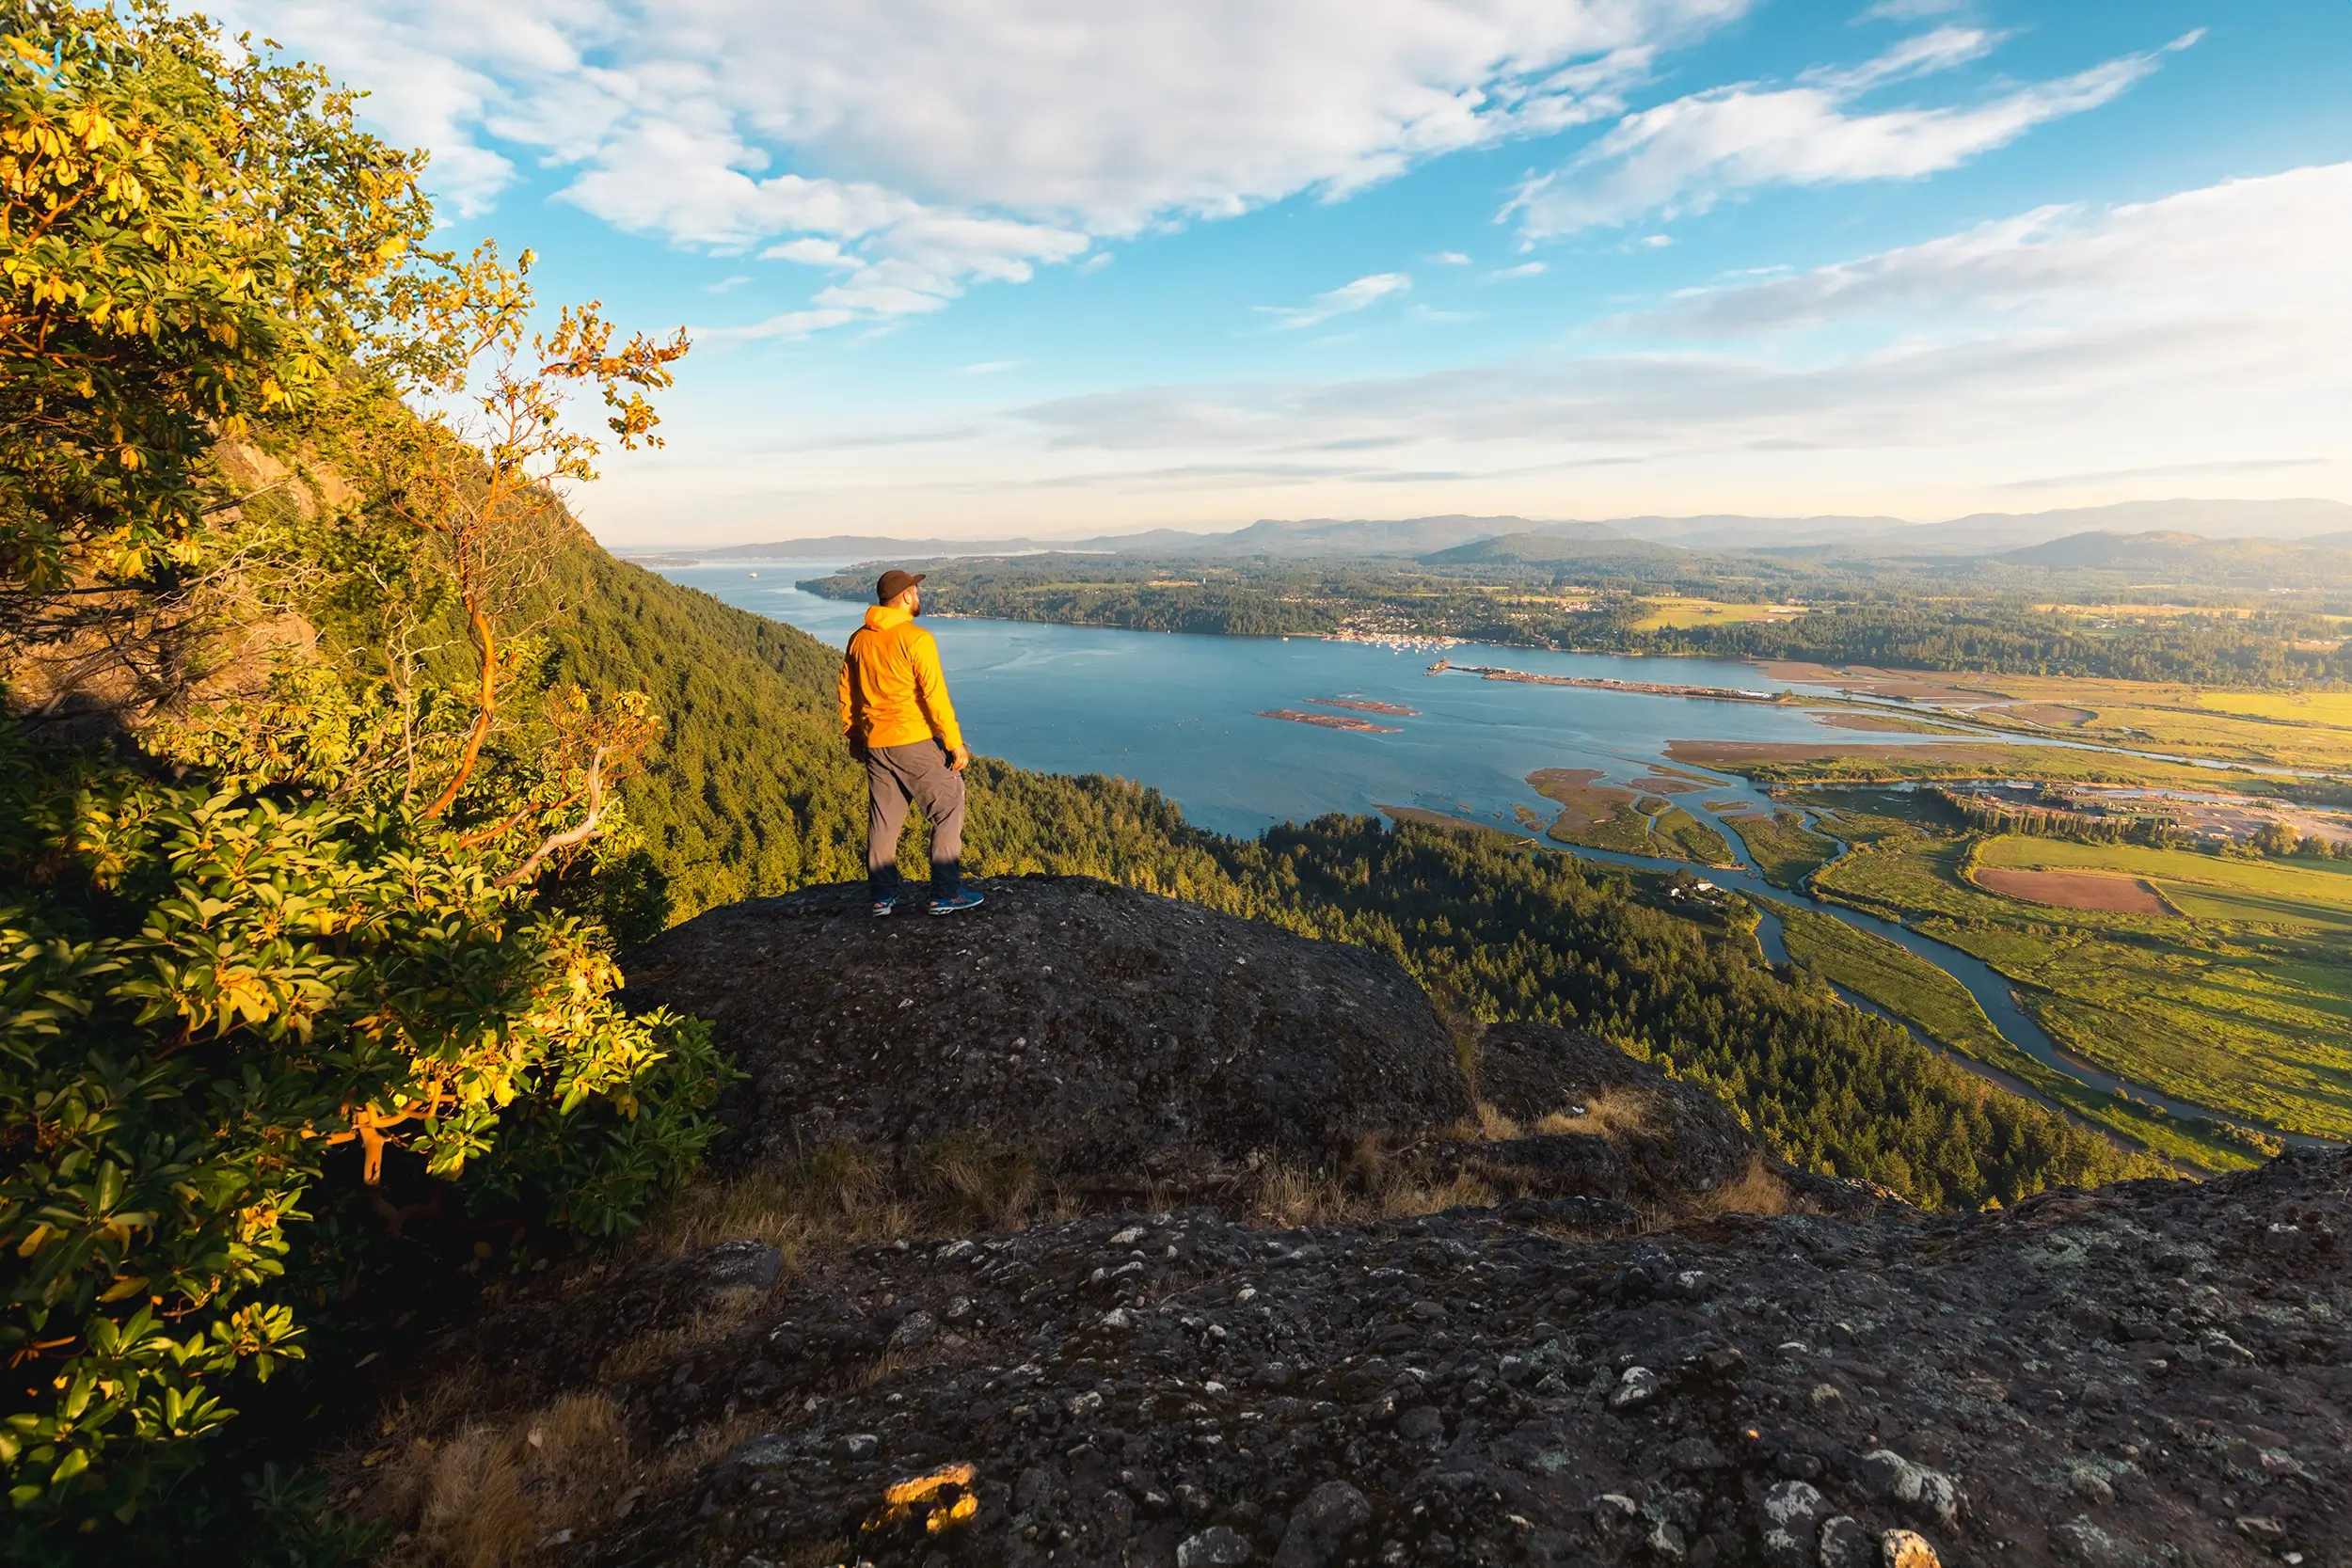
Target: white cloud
[
  {"x": 1911, "y": 10},
  {"x": 1945, "y": 49},
  {"x": 990, "y": 367},
  {"x": 1525, "y": 269},
  {"x": 728, "y": 285},
  {"x": 1448, "y": 258},
  {"x": 1685, "y": 155},
  {"x": 2274, "y": 249},
  {"x": 1344, "y": 300},
  {"x": 934, "y": 143}
]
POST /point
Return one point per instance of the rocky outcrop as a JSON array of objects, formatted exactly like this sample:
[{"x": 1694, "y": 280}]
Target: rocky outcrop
[
  {"x": 2158, "y": 1372},
  {"x": 1602, "y": 1361},
  {"x": 1113, "y": 1033}
]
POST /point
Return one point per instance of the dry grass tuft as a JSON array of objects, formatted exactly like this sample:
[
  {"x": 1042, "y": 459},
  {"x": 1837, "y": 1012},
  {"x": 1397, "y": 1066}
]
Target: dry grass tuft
[
  {"x": 1757, "y": 1192},
  {"x": 1493, "y": 1126},
  {"x": 1405, "y": 1199},
  {"x": 489, "y": 1494},
  {"x": 1287, "y": 1198},
  {"x": 1368, "y": 1185},
  {"x": 1607, "y": 1112},
  {"x": 841, "y": 1198}
]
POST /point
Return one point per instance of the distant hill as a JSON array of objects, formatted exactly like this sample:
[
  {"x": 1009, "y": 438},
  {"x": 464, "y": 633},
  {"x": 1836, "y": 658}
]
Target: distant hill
[
  {"x": 1990, "y": 533},
  {"x": 1312, "y": 536},
  {"x": 1363, "y": 536},
  {"x": 1548, "y": 549},
  {"x": 2171, "y": 550},
  {"x": 1733, "y": 532},
  {"x": 2106, "y": 550}
]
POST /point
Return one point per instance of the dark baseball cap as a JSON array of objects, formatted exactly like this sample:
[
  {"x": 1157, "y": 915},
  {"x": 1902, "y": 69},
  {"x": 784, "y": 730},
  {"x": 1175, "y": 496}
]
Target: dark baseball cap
[{"x": 895, "y": 582}]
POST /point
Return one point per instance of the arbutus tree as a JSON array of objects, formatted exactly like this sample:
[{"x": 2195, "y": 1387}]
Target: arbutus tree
[{"x": 261, "y": 931}]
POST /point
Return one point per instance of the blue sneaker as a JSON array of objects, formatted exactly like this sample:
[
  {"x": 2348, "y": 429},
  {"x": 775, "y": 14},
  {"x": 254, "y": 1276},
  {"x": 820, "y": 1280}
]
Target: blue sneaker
[
  {"x": 967, "y": 899},
  {"x": 883, "y": 906}
]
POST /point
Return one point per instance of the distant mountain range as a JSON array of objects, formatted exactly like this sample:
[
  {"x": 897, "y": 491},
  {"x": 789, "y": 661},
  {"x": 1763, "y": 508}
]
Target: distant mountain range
[
  {"x": 1458, "y": 538},
  {"x": 2171, "y": 550}
]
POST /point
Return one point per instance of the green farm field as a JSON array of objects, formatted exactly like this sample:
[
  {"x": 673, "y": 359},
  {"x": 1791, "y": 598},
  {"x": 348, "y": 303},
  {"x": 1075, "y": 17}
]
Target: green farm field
[
  {"x": 2305, "y": 893},
  {"x": 2242, "y": 1001},
  {"x": 1939, "y": 1007}
]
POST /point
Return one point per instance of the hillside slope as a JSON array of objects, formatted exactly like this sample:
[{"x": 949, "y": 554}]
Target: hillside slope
[{"x": 753, "y": 792}]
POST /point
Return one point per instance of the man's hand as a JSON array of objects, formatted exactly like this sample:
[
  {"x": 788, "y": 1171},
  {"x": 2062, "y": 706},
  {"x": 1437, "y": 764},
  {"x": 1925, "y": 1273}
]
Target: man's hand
[
  {"x": 857, "y": 747},
  {"x": 960, "y": 758}
]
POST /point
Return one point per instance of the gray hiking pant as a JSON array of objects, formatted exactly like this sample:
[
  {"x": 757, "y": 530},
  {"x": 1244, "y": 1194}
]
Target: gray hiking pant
[{"x": 916, "y": 772}]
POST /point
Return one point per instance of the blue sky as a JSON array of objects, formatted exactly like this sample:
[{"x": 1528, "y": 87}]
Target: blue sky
[{"x": 968, "y": 267}]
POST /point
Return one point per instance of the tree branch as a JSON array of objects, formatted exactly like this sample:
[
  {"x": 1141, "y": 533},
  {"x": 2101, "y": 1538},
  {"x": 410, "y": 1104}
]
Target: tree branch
[
  {"x": 571, "y": 837},
  {"x": 485, "y": 706}
]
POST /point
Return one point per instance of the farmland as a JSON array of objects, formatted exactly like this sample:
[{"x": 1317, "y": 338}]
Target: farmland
[
  {"x": 1682, "y": 614},
  {"x": 2243, "y": 1001}
]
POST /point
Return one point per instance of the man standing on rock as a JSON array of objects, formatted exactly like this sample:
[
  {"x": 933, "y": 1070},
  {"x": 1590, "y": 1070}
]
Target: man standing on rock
[{"x": 900, "y": 722}]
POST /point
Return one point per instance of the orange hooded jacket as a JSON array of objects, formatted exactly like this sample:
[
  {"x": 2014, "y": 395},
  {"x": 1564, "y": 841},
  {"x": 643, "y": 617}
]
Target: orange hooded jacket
[{"x": 893, "y": 692}]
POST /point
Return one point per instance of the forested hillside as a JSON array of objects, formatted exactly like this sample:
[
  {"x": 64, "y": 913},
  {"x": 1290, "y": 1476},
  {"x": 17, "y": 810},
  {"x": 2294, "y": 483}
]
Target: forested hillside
[{"x": 753, "y": 791}]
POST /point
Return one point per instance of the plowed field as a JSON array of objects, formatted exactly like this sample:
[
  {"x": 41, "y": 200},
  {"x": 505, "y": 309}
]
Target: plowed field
[{"x": 2074, "y": 890}]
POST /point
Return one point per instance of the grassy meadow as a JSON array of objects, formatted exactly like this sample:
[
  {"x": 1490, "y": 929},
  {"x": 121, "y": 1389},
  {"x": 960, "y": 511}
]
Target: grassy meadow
[
  {"x": 1939, "y": 1009},
  {"x": 1682, "y": 614},
  {"x": 2242, "y": 1001},
  {"x": 1605, "y": 816},
  {"x": 1784, "y": 848}
]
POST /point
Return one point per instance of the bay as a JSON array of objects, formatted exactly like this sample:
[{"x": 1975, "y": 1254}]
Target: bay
[{"x": 1180, "y": 712}]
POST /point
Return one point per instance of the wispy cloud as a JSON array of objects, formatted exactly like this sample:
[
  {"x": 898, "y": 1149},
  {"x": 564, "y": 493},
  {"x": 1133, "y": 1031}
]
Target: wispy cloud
[
  {"x": 1525, "y": 269},
  {"x": 1911, "y": 10},
  {"x": 1344, "y": 300},
  {"x": 728, "y": 285},
  {"x": 2167, "y": 470},
  {"x": 2199, "y": 334},
  {"x": 1945, "y": 49},
  {"x": 990, "y": 367},
  {"x": 1449, "y": 259},
  {"x": 2275, "y": 249},
  {"x": 1686, "y": 155},
  {"x": 990, "y": 140}
]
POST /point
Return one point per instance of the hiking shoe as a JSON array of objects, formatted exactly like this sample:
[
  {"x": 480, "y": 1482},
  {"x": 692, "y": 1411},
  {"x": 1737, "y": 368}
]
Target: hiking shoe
[
  {"x": 967, "y": 899},
  {"x": 883, "y": 906}
]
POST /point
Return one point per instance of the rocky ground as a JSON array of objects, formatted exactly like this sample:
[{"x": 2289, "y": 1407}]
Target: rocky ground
[
  {"x": 1600, "y": 1365},
  {"x": 2153, "y": 1373}
]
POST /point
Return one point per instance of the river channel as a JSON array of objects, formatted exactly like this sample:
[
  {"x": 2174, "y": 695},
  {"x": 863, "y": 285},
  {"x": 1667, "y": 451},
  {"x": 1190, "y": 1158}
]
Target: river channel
[{"x": 1183, "y": 714}]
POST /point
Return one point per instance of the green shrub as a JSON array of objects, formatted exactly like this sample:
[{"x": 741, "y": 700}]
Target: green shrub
[{"x": 201, "y": 994}]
